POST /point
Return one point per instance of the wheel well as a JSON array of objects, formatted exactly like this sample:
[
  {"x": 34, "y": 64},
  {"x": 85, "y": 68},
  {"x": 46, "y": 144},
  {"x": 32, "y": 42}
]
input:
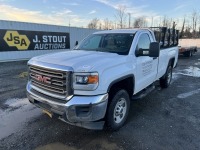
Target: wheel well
[
  {"x": 171, "y": 62},
  {"x": 127, "y": 84}
]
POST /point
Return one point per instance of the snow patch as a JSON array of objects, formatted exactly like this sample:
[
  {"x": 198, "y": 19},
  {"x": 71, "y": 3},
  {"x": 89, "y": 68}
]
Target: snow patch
[
  {"x": 174, "y": 77},
  {"x": 16, "y": 102},
  {"x": 19, "y": 112},
  {"x": 191, "y": 71},
  {"x": 185, "y": 95},
  {"x": 198, "y": 63}
]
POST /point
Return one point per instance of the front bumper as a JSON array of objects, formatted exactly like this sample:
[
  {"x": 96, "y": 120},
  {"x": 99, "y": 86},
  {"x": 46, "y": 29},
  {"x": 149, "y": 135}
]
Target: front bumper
[{"x": 83, "y": 111}]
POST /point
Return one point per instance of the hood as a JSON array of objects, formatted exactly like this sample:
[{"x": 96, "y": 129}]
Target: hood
[{"x": 82, "y": 61}]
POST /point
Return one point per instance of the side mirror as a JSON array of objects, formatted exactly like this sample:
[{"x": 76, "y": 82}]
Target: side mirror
[
  {"x": 154, "y": 49},
  {"x": 76, "y": 43},
  {"x": 142, "y": 52}
]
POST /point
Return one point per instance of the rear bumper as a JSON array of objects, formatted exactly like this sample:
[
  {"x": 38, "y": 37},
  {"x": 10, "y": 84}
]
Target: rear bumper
[{"x": 83, "y": 111}]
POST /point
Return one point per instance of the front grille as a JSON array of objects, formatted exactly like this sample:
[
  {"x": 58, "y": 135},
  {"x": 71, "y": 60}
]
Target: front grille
[{"x": 51, "y": 82}]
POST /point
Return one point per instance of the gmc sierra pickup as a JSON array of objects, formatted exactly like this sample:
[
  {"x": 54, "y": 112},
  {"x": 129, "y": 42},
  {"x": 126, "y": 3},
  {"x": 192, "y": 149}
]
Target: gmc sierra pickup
[{"x": 91, "y": 86}]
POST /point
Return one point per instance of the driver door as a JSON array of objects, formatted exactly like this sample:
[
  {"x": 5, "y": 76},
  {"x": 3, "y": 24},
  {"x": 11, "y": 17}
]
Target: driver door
[{"x": 146, "y": 67}]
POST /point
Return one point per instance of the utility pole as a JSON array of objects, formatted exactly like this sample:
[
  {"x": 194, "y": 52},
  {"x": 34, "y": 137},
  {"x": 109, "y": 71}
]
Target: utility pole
[{"x": 129, "y": 25}]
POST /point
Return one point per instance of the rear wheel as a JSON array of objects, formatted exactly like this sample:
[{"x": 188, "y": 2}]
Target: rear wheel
[
  {"x": 166, "y": 79},
  {"x": 191, "y": 53},
  {"x": 118, "y": 110},
  {"x": 187, "y": 54}
]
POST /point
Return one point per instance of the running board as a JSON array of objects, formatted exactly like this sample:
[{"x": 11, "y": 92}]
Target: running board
[{"x": 143, "y": 93}]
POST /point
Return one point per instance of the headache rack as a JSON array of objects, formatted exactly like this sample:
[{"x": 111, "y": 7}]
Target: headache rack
[{"x": 167, "y": 37}]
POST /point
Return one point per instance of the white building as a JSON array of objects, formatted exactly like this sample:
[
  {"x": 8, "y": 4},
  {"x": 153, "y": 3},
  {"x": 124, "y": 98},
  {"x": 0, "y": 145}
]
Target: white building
[{"x": 13, "y": 46}]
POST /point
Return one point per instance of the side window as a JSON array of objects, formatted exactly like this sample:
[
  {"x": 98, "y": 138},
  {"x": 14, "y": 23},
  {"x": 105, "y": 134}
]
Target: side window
[{"x": 144, "y": 42}]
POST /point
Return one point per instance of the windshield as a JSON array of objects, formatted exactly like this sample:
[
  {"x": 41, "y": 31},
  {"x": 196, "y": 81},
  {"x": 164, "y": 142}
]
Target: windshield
[{"x": 113, "y": 43}]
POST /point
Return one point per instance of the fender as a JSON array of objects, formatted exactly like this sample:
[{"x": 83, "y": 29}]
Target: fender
[
  {"x": 171, "y": 61},
  {"x": 120, "y": 79}
]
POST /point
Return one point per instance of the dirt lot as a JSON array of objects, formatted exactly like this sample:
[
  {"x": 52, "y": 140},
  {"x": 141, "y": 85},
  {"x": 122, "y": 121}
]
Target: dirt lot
[{"x": 165, "y": 119}]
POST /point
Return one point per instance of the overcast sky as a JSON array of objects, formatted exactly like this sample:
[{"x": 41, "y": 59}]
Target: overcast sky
[{"x": 80, "y": 12}]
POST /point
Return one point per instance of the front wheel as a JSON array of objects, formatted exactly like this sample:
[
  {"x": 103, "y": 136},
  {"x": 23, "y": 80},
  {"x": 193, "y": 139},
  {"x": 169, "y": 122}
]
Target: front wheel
[
  {"x": 118, "y": 110},
  {"x": 166, "y": 79}
]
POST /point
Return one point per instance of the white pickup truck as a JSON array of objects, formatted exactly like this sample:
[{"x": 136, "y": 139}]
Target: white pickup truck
[{"x": 91, "y": 86}]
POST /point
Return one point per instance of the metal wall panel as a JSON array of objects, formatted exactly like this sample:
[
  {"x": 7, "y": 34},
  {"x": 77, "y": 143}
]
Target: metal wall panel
[{"x": 76, "y": 34}]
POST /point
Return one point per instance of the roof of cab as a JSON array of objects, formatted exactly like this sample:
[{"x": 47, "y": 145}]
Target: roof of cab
[{"x": 122, "y": 30}]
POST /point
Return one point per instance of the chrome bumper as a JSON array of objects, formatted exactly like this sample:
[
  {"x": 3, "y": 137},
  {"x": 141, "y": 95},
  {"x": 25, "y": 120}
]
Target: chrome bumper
[{"x": 84, "y": 111}]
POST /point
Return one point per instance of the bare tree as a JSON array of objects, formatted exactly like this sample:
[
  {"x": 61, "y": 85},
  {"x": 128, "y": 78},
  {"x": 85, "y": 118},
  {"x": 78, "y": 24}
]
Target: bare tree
[
  {"x": 100, "y": 25},
  {"x": 111, "y": 25},
  {"x": 166, "y": 22},
  {"x": 106, "y": 24},
  {"x": 93, "y": 24},
  {"x": 194, "y": 20},
  {"x": 140, "y": 22},
  {"x": 188, "y": 33},
  {"x": 121, "y": 15},
  {"x": 152, "y": 21},
  {"x": 129, "y": 20},
  {"x": 199, "y": 24},
  {"x": 199, "y": 32},
  {"x": 174, "y": 25},
  {"x": 182, "y": 29}
]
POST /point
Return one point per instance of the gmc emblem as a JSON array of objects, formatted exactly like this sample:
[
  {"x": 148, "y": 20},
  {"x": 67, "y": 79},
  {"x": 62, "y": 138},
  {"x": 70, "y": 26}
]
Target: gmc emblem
[{"x": 43, "y": 79}]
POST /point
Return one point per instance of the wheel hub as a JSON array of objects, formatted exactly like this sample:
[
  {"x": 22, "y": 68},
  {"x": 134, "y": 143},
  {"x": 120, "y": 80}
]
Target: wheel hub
[
  {"x": 120, "y": 110},
  {"x": 169, "y": 77}
]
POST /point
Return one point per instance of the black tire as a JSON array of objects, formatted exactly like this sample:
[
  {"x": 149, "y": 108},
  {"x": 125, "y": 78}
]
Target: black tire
[
  {"x": 187, "y": 54},
  {"x": 116, "y": 116},
  {"x": 166, "y": 79}
]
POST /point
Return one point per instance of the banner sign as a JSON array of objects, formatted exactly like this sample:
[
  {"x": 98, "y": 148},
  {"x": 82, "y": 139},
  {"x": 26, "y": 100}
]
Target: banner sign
[{"x": 20, "y": 40}]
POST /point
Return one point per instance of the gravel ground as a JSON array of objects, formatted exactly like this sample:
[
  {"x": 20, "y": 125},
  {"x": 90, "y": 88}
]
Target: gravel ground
[
  {"x": 165, "y": 119},
  {"x": 12, "y": 81}
]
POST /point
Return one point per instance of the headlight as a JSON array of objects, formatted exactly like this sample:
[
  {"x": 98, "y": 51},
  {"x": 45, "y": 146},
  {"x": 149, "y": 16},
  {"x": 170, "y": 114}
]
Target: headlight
[
  {"x": 81, "y": 79},
  {"x": 85, "y": 81}
]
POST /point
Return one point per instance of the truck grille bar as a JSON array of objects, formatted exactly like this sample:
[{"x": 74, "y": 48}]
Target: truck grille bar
[{"x": 51, "y": 81}]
